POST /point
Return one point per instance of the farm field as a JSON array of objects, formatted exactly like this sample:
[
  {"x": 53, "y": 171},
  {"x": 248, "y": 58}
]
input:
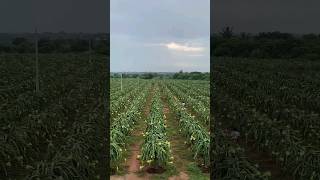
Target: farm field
[
  {"x": 159, "y": 129},
  {"x": 275, "y": 105},
  {"x": 56, "y": 133}
]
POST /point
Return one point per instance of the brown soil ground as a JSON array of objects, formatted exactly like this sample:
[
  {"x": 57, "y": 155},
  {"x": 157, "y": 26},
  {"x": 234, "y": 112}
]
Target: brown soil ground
[{"x": 181, "y": 176}]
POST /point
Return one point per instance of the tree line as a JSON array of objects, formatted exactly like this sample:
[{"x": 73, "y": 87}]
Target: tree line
[
  {"x": 177, "y": 75},
  {"x": 265, "y": 45},
  {"x": 47, "y": 45}
]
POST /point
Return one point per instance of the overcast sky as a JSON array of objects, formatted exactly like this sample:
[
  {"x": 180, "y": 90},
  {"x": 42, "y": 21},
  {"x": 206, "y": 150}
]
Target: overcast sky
[
  {"x": 160, "y": 36},
  {"x": 294, "y": 16},
  {"x": 54, "y": 15},
  {"x": 297, "y": 16}
]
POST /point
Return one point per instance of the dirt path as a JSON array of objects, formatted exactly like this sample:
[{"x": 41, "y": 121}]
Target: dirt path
[
  {"x": 180, "y": 152},
  {"x": 133, "y": 164}
]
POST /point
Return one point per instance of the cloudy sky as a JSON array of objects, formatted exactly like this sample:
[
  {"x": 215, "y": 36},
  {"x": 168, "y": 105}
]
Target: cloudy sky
[
  {"x": 19, "y": 16},
  {"x": 160, "y": 36},
  {"x": 293, "y": 16}
]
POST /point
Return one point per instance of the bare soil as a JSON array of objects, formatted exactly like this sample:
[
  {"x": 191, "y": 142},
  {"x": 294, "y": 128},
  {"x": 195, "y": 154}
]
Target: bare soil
[
  {"x": 181, "y": 176},
  {"x": 155, "y": 170},
  {"x": 133, "y": 163}
]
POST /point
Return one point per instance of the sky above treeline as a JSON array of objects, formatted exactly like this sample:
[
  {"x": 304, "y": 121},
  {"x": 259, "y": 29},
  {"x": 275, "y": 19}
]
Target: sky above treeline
[
  {"x": 253, "y": 16},
  {"x": 88, "y": 16},
  {"x": 295, "y": 16},
  {"x": 160, "y": 36}
]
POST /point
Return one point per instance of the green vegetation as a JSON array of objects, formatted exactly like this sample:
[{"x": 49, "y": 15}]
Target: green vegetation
[
  {"x": 49, "y": 43},
  {"x": 274, "y": 103},
  {"x": 156, "y": 153},
  {"x": 265, "y": 45},
  {"x": 178, "y": 75},
  {"x": 197, "y": 136},
  {"x": 121, "y": 126},
  {"x": 56, "y": 133},
  {"x": 195, "y": 172}
]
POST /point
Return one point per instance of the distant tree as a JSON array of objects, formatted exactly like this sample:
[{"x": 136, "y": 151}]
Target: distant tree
[
  {"x": 19, "y": 40},
  {"x": 5, "y": 49},
  {"x": 79, "y": 45},
  {"x": 46, "y": 45},
  {"x": 310, "y": 37},
  {"x": 148, "y": 76},
  {"x": 102, "y": 47},
  {"x": 227, "y": 32},
  {"x": 244, "y": 35},
  {"x": 22, "y": 45},
  {"x": 177, "y": 75}
]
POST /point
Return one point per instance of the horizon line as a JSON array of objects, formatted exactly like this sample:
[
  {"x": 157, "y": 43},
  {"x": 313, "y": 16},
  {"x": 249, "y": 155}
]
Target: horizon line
[{"x": 156, "y": 71}]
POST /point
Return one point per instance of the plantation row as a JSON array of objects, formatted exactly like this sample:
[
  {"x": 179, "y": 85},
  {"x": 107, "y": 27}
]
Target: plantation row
[
  {"x": 123, "y": 124},
  {"x": 229, "y": 159},
  {"x": 305, "y": 122},
  {"x": 277, "y": 111},
  {"x": 124, "y": 101},
  {"x": 197, "y": 136},
  {"x": 58, "y": 132},
  {"x": 156, "y": 150},
  {"x": 230, "y": 162},
  {"x": 198, "y": 103}
]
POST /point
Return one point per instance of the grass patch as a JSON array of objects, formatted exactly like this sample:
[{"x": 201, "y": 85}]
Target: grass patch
[{"x": 195, "y": 173}]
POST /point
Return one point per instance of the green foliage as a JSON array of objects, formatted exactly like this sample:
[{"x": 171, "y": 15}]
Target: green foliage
[
  {"x": 192, "y": 75},
  {"x": 195, "y": 172},
  {"x": 155, "y": 150},
  {"x": 265, "y": 45},
  {"x": 196, "y": 135},
  {"x": 274, "y": 103},
  {"x": 123, "y": 122},
  {"x": 57, "y": 133},
  {"x": 56, "y": 43},
  {"x": 179, "y": 75}
]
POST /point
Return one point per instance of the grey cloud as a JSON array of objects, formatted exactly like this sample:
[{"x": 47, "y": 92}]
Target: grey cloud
[
  {"x": 166, "y": 18},
  {"x": 160, "y": 35}
]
